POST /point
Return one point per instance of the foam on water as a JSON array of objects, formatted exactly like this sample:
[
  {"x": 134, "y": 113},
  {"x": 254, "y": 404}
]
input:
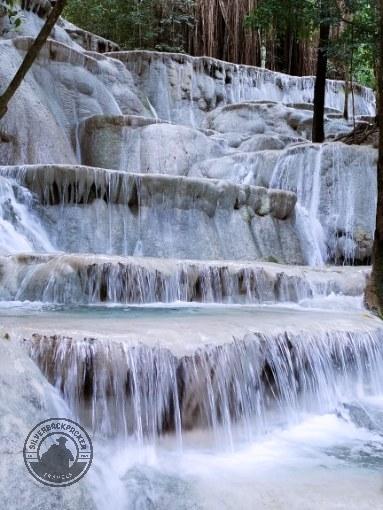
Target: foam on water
[
  {"x": 324, "y": 450},
  {"x": 20, "y": 229},
  {"x": 204, "y": 394},
  {"x": 143, "y": 373},
  {"x": 326, "y": 461}
]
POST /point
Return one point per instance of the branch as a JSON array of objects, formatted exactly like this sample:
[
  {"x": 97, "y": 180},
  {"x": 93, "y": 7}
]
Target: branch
[{"x": 31, "y": 55}]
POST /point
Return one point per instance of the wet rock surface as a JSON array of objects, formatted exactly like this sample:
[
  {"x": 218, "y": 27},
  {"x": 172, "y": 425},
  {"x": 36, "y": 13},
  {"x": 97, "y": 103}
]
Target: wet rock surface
[
  {"x": 158, "y": 215},
  {"x": 25, "y": 400},
  {"x": 92, "y": 279},
  {"x": 153, "y": 210}
]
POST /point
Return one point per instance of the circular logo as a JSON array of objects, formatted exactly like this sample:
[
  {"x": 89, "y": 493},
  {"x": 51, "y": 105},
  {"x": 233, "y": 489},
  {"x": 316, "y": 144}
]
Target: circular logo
[{"x": 58, "y": 452}]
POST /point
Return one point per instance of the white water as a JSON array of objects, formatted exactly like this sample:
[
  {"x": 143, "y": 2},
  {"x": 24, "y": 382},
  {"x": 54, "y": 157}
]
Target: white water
[
  {"x": 316, "y": 442},
  {"x": 206, "y": 394},
  {"x": 327, "y": 461},
  {"x": 182, "y": 88},
  {"x": 307, "y": 168},
  {"x": 336, "y": 189},
  {"x": 20, "y": 230},
  {"x": 144, "y": 391},
  {"x": 299, "y": 467},
  {"x": 99, "y": 280}
]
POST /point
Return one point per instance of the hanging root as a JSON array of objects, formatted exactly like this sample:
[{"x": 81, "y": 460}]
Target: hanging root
[{"x": 363, "y": 134}]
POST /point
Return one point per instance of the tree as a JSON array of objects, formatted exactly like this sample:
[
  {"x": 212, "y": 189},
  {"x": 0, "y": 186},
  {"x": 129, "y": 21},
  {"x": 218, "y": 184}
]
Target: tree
[
  {"x": 163, "y": 25},
  {"x": 288, "y": 23},
  {"x": 346, "y": 32},
  {"x": 321, "y": 72},
  {"x": 300, "y": 19},
  {"x": 374, "y": 290},
  {"x": 31, "y": 54},
  {"x": 354, "y": 51}
]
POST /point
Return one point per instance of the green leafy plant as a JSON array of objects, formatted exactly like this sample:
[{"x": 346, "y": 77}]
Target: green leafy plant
[
  {"x": 9, "y": 8},
  {"x": 136, "y": 24}
]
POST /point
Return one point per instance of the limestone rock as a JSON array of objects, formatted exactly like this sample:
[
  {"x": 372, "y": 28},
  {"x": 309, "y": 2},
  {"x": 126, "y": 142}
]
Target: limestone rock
[
  {"x": 255, "y": 118},
  {"x": 262, "y": 142},
  {"x": 184, "y": 89},
  {"x": 327, "y": 180},
  {"x": 282, "y": 204},
  {"x": 145, "y": 145},
  {"x": 25, "y": 400},
  {"x": 158, "y": 215},
  {"x": 254, "y": 168},
  {"x": 41, "y": 123},
  {"x": 94, "y": 279}
]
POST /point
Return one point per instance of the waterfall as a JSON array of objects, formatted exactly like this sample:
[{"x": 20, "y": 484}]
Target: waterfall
[
  {"x": 219, "y": 83},
  {"x": 100, "y": 280},
  {"x": 165, "y": 231},
  {"x": 350, "y": 220},
  {"x": 20, "y": 229},
  {"x": 305, "y": 166},
  {"x": 258, "y": 382},
  {"x": 334, "y": 218},
  {"x": 160, "y": 215}
]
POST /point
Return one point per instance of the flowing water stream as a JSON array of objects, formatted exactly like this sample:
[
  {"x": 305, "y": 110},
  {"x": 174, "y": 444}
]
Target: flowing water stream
[
  {"x": 191, "y": 407},
  {"x": 178, "y": 303}
]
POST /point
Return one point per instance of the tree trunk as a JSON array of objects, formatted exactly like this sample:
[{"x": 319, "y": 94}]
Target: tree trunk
[
  {"x": 346, "y": 93},
  {"x": 374, "y": 290},
  {"x": 31, "y": 56},
  {"x": 320, "y": 82}
]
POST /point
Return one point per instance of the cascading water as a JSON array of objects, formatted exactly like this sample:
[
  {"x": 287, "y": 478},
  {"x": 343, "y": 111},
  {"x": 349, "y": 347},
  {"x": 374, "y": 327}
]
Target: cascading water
[
  {"x": 20, "y": 229},
  {"x": 335, "y": 219},
  {"x": 82, "y": 280},
  {"x": 164, "y": 296},
  {"x": 215, "y": 83},
  {"x": 306, "y": 166},
  {"x": 264, "y": 405},
  {"x": 259, "y": 382},
  {"x": 350, "y": 220}
]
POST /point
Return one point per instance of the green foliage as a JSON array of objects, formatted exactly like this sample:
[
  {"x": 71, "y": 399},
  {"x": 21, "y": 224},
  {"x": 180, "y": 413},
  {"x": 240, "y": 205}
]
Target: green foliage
[
  {"x": 144, "y": 24},
  {"x": 284, "y": 16},
  {"x": 364, "y": 68},
  {"x": 357, "y": 45},
  {"x": 354, "y": 49},
  {"x": 12, "y": 12},
  {"x": 300, "y": 18}
]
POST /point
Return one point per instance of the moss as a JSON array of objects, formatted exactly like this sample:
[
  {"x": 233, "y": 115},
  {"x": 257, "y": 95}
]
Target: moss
[{"x": 272, "y": 259}]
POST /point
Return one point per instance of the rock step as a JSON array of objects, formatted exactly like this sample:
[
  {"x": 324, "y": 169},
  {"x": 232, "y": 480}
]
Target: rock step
[
  {"x": 153, "y": 145},
  {"x": 89, "y": 210},
  {"x": 183, "y": 88},
  {"x": 147, "y": 373},
  {"x": 26, "y": 398},
  {"x": 97, "y": 279},
  {"x": 68, "y": 184}
]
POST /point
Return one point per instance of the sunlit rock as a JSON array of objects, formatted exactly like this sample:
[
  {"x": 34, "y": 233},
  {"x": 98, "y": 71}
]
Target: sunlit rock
[{"x": 41, "y": 125}]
